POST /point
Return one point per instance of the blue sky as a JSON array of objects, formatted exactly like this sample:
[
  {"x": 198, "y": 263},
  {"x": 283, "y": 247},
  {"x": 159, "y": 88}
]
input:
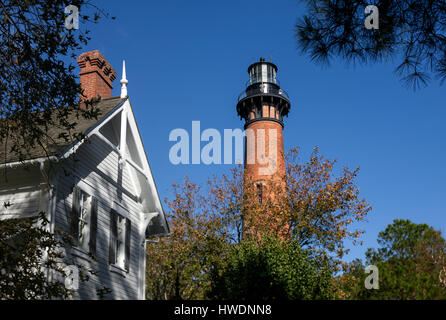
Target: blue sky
[{"x": 187, "y": 60}]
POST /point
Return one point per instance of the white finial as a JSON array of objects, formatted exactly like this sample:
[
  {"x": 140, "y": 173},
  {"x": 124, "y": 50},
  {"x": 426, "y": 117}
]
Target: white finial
[{"x": 123, "y": 81}]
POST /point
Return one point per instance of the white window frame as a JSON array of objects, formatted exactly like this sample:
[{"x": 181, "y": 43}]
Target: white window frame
[
  {"x": 120, "y": 241},
  {"x": 119, "y": 263},
  {"x": 84, "y": 219}
]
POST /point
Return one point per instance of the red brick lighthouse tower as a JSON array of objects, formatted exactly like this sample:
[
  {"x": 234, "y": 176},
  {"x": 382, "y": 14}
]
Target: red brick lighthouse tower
[{"x": 262, "y": 105}]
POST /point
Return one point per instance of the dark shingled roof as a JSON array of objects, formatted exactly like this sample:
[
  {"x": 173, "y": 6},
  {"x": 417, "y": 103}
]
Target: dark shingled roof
[{"x": 56, "y": 145}]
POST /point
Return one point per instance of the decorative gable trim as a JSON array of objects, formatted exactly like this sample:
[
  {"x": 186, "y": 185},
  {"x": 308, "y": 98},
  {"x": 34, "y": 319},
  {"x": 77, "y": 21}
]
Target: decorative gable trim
[{"x": 128, "y": 122}]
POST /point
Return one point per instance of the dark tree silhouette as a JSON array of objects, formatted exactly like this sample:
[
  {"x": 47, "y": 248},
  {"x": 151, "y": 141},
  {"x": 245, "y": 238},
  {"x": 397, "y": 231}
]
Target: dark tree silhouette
[
  {"x": 35, "y": 77},
  {"x": 413, "y": 31},
  {"x": 38, "y": 91}
]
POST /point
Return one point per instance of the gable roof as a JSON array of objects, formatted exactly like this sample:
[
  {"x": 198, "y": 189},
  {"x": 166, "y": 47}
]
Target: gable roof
[
  {"x": 54, "y": 143},
  {"x": 157, "y": 224}
]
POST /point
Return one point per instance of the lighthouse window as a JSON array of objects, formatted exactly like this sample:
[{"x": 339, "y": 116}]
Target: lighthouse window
[
  {"x": 264, "y": 73},
  {"x": 258, "y": 113},
  {"x": 257, "y": 73},
  {"x": 265, "y": 111},
  {"x": 259, "y": 193}
]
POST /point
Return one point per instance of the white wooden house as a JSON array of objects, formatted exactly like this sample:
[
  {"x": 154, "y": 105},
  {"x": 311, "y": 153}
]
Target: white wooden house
[{"x": 100, "y": 190}]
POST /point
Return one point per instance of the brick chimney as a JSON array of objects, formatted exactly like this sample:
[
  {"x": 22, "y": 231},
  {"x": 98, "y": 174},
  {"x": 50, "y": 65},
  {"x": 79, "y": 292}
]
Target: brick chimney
[{"x": 96, "y": 74}]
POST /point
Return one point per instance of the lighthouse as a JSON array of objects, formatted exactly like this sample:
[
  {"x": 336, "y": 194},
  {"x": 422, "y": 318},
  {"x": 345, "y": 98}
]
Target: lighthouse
[{"x": 262, "y": 106}]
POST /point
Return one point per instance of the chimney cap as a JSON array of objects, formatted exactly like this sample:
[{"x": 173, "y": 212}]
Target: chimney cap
[{"x": 98, "y": 62}]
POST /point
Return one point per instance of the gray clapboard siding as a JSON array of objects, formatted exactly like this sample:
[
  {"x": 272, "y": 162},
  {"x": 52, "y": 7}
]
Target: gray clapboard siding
[
  {"x": 98, "y": 167},
  {"x": 24, "y": 190}
]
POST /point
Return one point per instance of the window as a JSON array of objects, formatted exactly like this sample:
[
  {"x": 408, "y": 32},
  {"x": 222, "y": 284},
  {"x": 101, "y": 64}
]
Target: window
[
  {"x": 258, "y": 74},
  {"x": 259, "y": 193},
  {"x": 270, "y": 73},
  {"x": 120, "y": 243},
  {"x": 84, "y": 220},
  {"x": 120, "y": 229},
  {"x": 265, "y": 111}
]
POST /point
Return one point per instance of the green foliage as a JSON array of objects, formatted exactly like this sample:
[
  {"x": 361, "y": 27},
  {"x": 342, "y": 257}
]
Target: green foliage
[
  {"x": 178, "y": 266},
  {"x": 411, "y": 30},
  {"x": 32, "y": 261},
  {"x": 272, "y": 269},
  {"x": 35, "y": 77},
  {"x": 323, "y": 206},
  {"x": 404, "y": 239},
  {"x": 410, "y": 261},
  {"x": 38, "y": 92},
  {"x": 314, "y": 209},
  {"x": 350, "y": 283},
  {"x": 21, "y": 274},
  {"x": 23, "y": 271}
]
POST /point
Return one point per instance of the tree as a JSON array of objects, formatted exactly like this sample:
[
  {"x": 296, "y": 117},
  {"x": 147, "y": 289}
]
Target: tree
[
  {"x": 29, "y": 254},
  {"x": 178, "y": 266},
  {"x": 321, "y": 206},
  {"x": 412, "y": 30},
  {"x": 38, "y": 91},
  {"x": 35, "y": 79},
  {"x": 350, "y": 283},
  {"x": 410, "y": 261},
  {"x": 206, "y": 223},
  {"x": 271, "y": 270}
]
